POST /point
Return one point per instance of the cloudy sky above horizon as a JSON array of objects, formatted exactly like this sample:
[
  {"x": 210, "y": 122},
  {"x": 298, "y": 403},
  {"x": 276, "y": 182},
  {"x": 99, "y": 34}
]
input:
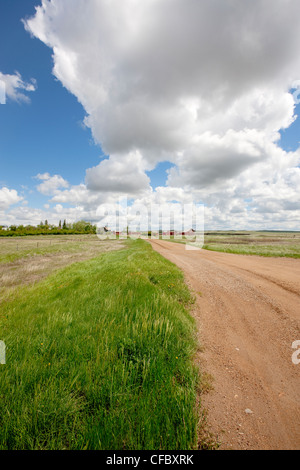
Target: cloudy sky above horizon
[{"x": 156, "y": 100}]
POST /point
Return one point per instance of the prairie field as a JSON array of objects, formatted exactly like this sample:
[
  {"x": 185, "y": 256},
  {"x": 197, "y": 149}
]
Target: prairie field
[
  {"x": 26, "y": 260},
  {"x": 101, "y": 346},
  {"x": 13, "y": 249},
  {"x": 277, "y": 244}
]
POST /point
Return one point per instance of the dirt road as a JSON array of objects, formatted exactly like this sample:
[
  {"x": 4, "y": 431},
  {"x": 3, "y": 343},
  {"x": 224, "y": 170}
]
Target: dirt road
[{"x": 248, "y": 313}]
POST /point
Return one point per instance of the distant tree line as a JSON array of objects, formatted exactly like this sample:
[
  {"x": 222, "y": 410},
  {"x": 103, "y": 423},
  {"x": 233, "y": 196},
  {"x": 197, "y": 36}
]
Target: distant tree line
[{"x": 44, "y": 228}]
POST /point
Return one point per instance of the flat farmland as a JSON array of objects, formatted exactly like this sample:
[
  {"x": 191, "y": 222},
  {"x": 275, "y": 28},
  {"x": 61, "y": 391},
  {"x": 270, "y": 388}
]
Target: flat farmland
[
  {"x": 115, "y": 347},
  {"x": 25, "y": 260},
  {"x": 14, "y": 248},
  {"x": 283, "y": 244}
]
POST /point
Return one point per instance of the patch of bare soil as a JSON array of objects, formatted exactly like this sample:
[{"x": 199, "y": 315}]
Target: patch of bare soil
[{"x": 248, "y": 313}]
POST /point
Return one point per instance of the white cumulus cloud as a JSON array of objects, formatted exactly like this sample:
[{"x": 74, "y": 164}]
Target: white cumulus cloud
[
  {"x": 50, "y": 184},
  {"x": 8, "y": 197},
  {"x": 14, "y": 87},
  {"x": 203, "y": 84}
]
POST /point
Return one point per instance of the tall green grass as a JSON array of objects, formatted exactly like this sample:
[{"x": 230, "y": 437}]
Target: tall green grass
[{"x": 100, "y": 356}]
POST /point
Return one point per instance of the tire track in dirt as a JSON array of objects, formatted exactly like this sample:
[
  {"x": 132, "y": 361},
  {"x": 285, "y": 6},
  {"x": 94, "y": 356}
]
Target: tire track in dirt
[{"x": 248, "y": 313}]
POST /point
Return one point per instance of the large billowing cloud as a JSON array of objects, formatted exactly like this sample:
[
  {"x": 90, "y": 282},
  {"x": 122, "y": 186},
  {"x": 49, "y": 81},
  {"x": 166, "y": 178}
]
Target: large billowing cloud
[
  {"x": 119, "y": 174},
  {"x": 203, "y": 84}
]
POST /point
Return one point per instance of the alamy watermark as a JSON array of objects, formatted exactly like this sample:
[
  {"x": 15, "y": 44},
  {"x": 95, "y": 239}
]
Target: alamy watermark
[
  {"x": 296, "y": 354},
  {"x": 2, "y": 352},
  {"x": 176, "y": 221},
  {"x": 2, "y": 92}
]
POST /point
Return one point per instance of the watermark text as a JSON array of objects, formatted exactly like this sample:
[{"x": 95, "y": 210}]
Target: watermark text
[
  {"x": 296, "y": 354},
  {"x": 173, "y": 221},
  {"x": 2, "y": 92},
  {"x": 2, "y": 352}
]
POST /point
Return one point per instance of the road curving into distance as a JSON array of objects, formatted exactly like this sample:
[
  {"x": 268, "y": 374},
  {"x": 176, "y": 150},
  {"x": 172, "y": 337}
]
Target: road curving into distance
[{"x": 248, "y": 313}]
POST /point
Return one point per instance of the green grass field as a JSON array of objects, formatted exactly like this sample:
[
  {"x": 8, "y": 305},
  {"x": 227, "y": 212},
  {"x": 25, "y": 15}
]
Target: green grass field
[
  {"x": 13, "y": 249},
  {"x": 282, "y": 244},
  {"x": 100, "y": 355}
]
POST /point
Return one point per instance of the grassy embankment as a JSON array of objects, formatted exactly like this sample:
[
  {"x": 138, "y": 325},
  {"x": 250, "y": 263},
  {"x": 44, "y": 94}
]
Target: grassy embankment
[{"x": 100, "y": 356}]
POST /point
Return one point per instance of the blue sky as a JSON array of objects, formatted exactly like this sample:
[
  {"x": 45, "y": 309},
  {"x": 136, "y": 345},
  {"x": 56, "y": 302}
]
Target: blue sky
[
  {"x": 187, "y": 152},
  {"x": 47, "y": 135},
  {"x": 290, "y": 137}
]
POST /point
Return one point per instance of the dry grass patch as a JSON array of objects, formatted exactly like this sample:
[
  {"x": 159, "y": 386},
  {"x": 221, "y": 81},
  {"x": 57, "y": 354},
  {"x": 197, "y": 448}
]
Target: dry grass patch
[{"x": 30, "y": 265}]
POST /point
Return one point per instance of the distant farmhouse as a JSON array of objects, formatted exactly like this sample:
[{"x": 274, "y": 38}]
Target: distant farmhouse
[{"x": 145, "y": 234}]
